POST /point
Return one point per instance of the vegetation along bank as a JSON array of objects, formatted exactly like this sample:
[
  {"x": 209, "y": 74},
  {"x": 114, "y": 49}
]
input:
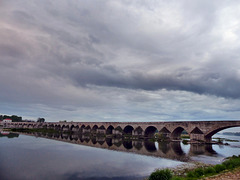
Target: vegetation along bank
[{"x": 230, "y": 165}]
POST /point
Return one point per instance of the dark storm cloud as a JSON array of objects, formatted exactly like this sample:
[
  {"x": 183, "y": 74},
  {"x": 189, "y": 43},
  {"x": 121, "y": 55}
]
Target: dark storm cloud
[{"x": 198, "y": 81}]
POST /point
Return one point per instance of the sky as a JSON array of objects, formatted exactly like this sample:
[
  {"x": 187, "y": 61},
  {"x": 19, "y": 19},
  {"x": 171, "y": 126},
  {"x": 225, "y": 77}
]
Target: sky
[{"x": 124, "y": 60}]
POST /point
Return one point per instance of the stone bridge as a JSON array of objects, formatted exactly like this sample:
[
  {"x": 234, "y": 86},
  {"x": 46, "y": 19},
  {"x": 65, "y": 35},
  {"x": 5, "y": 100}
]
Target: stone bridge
[{"x": 198, "y": 130}]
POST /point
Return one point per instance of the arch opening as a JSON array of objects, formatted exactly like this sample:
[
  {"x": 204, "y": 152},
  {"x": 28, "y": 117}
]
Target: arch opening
[
  {"x": 109, "y": 130},
  {"x": 30, "y": 126},
  {"x": 101, "y": 130},
  {"x": 82, "y": 128},
  {"x": 87, "y": 129},
  {"x": 150, "y": 132},
  {"x": 176, "y": 134},
  {"x": 128, "y": 130},
  {"x": 208, "y": 137},
  {"x": 94, "y": 129},
  {"x": 71, "y": 127},
  {"x": 65, "y": 128},
  {"x": 57, "y": 127}
]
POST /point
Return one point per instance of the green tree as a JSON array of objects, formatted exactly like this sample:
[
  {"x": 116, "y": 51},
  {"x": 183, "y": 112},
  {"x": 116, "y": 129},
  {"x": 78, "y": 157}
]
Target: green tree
[
  {"x": 41, "y": 120},
  {"x": 14, "y": 118}
]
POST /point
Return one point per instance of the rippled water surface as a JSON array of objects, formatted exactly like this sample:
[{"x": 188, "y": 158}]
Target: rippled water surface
[{"x": 32, "y": 157}]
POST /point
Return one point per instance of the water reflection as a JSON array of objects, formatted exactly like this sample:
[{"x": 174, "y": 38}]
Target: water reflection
[
  {"x": 170, "y": 150},
  {"x": 8, "y": 134}
]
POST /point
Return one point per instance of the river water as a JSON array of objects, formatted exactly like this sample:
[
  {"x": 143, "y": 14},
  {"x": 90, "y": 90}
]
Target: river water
[{"x": 69, "y": 157}]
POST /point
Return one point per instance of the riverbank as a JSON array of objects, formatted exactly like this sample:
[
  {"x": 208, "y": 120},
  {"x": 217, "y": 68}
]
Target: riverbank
[
  {"x": 229, "y": 169},
  {"x": 229, "y": 175}
]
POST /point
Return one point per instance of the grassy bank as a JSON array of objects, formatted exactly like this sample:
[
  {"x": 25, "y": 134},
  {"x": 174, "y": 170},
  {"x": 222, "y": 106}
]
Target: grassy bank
[{"x": 198, "y": 173}]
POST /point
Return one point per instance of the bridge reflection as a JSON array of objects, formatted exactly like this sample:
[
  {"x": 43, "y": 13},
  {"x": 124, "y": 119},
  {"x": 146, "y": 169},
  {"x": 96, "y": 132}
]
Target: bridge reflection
[{"x": 169, "y": 150}]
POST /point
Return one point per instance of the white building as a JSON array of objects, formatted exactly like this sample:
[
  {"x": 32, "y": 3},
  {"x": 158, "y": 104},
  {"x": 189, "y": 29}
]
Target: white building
[{"x": 7, "y": 121}]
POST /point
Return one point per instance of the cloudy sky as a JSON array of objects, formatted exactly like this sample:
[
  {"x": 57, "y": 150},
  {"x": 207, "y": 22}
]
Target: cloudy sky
[{"x": 120, "y": 60}]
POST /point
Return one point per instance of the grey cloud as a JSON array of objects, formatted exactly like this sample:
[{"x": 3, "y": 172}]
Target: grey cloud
[{"x": 60, "y": 53}]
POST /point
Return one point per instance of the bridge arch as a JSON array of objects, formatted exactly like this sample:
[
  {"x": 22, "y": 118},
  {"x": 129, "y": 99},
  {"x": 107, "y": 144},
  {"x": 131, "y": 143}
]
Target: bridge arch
[
  {"x": 176, "y": 134},
  {"x": 75, "y": 129},
  {"x": 65, "y": 128},
  {"x": 109, "y": 130},
  {"x": 94, "y": 129},
  {"x": 150, "y": 131},
  {"x": 71, "y": 127},
  {"x": 57, "y": 127},
  {"x": 34, "y": 126},
  {"x": 51, "y": 126},
  {"x": 30, "y": 126},
  {"x": 88, "y": 127},
  {"x": 83, "y": 126},
  {"x": 101, "y": 130},
  {"x": 128, "y": 130},
  {"x": 102, "y": 127},
  {"x": 208, "y": 136}
]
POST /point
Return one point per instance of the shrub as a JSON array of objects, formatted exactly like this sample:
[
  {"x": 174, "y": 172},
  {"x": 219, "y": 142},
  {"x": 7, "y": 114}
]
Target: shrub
[
  {"x": 234, "y": 157},
  {"x": 209, "y": 170},
  {"x": 164, "y": 174},
  {"x": 219, "y": 167},
  {"x": 198, "y": 172},
  {"x": 178, "y": 178},
  {"x": 190, "y": 174},
  {"x": 232, "y": 163}
]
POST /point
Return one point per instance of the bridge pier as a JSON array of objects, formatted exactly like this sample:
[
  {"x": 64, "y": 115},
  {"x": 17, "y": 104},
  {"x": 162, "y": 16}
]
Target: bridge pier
[
  {"x": 117, "y": 132},
  {"x": 75, "y": 129},
  {"x": 136, "y": 133},
  {"x": 65, "y": 129},
  {"x": 197, "y": 137},
  {"x": 101, "y": 131},
  {"x": 86, "y": 130}
]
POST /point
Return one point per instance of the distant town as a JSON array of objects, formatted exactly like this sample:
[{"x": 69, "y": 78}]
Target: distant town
[{"x": 15, "y": 118}]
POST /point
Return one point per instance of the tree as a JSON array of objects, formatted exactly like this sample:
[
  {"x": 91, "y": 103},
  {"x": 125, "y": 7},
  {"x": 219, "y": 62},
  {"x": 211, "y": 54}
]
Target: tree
[
  {"x": 41, "y": 120},
  {"x": 14, "y": 118}
]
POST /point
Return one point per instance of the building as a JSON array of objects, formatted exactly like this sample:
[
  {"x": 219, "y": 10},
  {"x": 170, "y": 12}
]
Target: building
[{"x": 7, "y": 121}]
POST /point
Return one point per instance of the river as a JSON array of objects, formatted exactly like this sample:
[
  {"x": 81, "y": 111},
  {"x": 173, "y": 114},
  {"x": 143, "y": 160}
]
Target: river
[{"x": 68, "y": 158}]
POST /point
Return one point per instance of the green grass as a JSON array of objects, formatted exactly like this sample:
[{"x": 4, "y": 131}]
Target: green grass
[
  {"x": 164, "y": 174},
  {"x": 198, "y": 173}
]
